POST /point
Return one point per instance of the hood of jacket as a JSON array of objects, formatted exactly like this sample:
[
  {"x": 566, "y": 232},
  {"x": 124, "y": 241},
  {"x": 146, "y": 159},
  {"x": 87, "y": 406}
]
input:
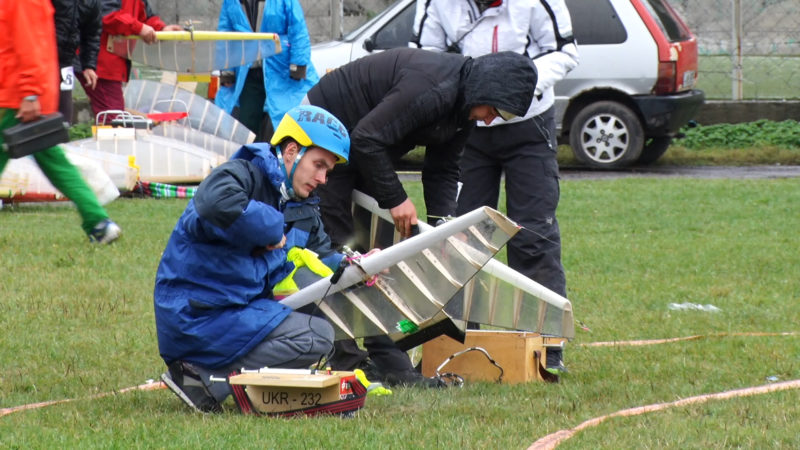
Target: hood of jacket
[
  {"x": 261, "y": 155},
  {"x": 505, "y": 80}
]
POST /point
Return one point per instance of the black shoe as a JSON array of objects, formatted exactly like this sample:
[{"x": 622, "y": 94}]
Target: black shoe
[
  {"x": 555, "y": 363},
  {"x": 412, "y": 378},
  {"x": 186, "y": 383}
]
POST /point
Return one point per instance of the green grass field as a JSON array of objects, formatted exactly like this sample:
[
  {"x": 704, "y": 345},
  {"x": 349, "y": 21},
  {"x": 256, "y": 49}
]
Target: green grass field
[
  {"x": 763, "y": 77},
  {"x": 77, "y": 320}
]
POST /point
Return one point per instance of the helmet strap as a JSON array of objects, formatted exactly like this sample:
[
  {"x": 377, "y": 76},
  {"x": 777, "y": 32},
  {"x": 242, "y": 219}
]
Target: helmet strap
[{"x": 288, "y": 176}]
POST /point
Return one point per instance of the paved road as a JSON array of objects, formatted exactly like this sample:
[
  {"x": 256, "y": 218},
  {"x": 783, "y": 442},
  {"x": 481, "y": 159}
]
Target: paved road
[
  {"x": 568, "y": 173},
  {"x": 773, "y": 171}
]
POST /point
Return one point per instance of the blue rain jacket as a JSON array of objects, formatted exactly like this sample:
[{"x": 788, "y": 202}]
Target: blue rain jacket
[
  {"x": 284, "y": 18},
  {"x": 212, "y": 290}
]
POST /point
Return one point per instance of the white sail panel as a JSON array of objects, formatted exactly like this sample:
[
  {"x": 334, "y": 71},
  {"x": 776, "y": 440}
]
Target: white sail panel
[
  {"x": 197, "y": 51},
  {"x": 147, "y": 96},
  {"x": 159, "y": 159}
]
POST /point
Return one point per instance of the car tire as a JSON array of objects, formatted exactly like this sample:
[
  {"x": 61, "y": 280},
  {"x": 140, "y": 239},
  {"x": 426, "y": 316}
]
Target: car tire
[
  {"x": 653, "y": 149},
  {"x": 606, "y": 135}
]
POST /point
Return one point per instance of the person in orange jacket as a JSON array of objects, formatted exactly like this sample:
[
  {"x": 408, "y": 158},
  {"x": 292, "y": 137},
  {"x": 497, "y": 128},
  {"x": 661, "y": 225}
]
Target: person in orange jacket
[
  {"x": 120, "y": 17},
  {"x": 29, "y": 88}
]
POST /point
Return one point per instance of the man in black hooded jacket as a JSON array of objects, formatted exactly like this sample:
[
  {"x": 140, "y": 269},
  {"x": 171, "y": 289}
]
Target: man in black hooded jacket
[{"x": 391, "y": 102}]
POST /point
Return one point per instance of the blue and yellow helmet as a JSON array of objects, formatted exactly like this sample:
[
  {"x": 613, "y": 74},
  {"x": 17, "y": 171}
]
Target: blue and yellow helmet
[{"x": 313, "y": 126}]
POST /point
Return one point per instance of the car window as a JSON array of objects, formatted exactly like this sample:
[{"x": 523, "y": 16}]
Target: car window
[
  {"x": 351, "y": 36},
  {"x": 667, "y": 20},
  {"x": 397, "y": 32},
  {"x": 595, "y": 22}
]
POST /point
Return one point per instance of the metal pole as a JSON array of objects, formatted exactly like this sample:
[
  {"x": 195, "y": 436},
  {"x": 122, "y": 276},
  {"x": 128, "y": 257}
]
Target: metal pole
[
  {"x": 337, "y": 14},
  {"x": 736, "y": 36}
]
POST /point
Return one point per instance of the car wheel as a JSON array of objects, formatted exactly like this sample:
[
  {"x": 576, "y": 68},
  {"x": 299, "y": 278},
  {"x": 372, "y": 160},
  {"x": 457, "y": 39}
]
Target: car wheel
[
  {"x": 606, "y": 135},
  {"x": 654, "y": 148}
]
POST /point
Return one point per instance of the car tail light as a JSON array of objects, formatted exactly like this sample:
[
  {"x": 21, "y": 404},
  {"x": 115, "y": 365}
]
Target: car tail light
[
  {"x": 667, "y": 78},
  {"x": 677, "y": 46}
]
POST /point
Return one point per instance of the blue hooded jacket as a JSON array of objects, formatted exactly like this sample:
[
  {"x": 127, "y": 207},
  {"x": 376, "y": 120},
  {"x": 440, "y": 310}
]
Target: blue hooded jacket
[
  {"x": 214, "y": 283},
  {"x": 284, "y": 18}
]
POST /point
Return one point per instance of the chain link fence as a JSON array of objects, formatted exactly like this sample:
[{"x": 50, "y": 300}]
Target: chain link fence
[
  {"x": 326, "y": 19},
  {"x": 749, "y": 49}
]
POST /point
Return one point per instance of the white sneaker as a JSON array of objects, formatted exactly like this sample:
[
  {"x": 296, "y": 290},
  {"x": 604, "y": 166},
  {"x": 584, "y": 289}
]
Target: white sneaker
[{"x": 105, "y": 232}]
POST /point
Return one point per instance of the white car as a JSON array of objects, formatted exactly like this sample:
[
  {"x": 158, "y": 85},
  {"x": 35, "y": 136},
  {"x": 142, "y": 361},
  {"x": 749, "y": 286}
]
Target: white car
[{"x": 631, "y": 93}]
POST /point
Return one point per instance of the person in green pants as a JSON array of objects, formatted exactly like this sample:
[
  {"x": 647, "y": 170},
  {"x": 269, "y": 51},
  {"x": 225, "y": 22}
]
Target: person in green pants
[{"x": 28, "y": 89}]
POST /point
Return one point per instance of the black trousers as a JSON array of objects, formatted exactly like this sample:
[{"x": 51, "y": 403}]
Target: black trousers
[
  {"x": 380, "y": 349},
  {"x": 526, "y": 153}
]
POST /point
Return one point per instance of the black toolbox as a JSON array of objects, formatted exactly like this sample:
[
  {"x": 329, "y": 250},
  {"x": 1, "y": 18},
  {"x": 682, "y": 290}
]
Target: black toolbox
[{"x": 30, "y": 137}]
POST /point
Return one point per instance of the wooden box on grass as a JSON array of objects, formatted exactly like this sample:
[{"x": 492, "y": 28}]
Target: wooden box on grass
[
  {"x": 520, "y": 354},
  {"x": 274, "y": 392}
]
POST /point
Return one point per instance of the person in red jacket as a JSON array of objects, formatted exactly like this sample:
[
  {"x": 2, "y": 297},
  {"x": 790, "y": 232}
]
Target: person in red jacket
[
  {"x": 120, "y": 17},
  {"x": 29, "y": 88}
]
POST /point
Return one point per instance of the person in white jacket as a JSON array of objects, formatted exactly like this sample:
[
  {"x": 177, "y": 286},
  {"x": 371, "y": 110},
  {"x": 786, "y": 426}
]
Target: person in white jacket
[{"x": 523, "y": 148}]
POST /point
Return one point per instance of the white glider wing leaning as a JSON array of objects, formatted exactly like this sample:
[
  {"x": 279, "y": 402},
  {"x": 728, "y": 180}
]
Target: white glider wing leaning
[
  {"x": 444, "y": 273},
  {"x": 405, "y": 287},
  {"x": 497, "y": 296}
]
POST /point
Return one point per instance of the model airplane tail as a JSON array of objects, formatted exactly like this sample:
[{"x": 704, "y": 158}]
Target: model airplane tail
[{"x": 197, "y": 51}]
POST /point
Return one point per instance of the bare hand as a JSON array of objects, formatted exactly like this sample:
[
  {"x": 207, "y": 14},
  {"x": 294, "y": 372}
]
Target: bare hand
[
  {"x": 29, "y": 110},
  {"x": 148, "y": 34},
  {"x": 90, "y": 76},
  {"x": 173, "y": 27},
  {"x": 278, "y": 245},
  {"x": 385, "y": 271},
  {"x": 227, "y": 78},
  {"x": 297, "y": 73},
  {"x": 372, "y": 252},
  {"x": 404, "y": 216}
]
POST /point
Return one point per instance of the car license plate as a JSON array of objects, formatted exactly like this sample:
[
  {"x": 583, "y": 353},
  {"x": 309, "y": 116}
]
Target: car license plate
[{"x": 689, "y": 79}]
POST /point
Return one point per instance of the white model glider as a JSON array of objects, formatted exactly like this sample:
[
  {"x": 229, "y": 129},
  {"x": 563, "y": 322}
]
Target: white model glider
[
  {"x": 197, "y": 51},
  {"x": 150, "y": 97},
  {"x": 444, "y": 274}
]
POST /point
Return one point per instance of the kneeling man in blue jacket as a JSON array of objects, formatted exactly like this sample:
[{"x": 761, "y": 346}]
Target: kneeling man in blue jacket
[{"x": 214, "y": 301}]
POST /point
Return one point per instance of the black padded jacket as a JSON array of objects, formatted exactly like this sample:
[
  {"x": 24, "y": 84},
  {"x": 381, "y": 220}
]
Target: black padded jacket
[
  {"x": 395, "y": 100},
  {"x": 78, "y": 26}
]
